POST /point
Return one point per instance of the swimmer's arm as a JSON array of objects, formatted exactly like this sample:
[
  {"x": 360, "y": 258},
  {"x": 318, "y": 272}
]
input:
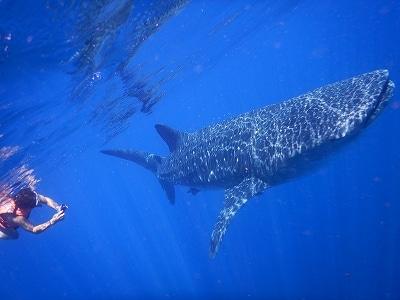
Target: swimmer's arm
[
  {"x": 49, "y": 202},
  {"x": 25, "y": 224}
]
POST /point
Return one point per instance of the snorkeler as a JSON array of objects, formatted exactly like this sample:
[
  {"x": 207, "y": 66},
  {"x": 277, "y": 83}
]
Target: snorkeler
[{"x": 15, "y": 211}]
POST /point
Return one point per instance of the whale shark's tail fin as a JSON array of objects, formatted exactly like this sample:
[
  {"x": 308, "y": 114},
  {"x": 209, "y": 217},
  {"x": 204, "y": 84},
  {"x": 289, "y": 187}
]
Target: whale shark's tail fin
[{"x": 147, "y": 160}]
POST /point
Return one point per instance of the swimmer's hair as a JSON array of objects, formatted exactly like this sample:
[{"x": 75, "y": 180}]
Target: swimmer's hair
[{"x": 26, "y": 198}]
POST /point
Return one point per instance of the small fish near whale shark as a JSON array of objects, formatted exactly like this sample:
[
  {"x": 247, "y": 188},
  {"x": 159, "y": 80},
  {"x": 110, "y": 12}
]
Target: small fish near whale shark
[{"x": 259, "y": 149}]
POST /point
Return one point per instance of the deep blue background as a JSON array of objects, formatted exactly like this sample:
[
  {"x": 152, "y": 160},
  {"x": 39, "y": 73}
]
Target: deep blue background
[{"x": 333, "y": 234}]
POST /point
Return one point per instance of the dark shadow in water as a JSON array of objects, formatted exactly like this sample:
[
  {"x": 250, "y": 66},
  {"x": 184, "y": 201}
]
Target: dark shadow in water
[{"x": 96, "y": 43}]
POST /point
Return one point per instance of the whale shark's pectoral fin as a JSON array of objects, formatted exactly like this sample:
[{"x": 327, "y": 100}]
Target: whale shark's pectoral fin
[{"x": 235, "y": 197}]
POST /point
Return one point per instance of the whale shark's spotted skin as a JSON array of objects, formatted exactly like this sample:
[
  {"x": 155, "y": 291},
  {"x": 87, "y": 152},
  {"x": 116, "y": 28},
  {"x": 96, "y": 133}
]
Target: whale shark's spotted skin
[{"x": 264, "y": 147}]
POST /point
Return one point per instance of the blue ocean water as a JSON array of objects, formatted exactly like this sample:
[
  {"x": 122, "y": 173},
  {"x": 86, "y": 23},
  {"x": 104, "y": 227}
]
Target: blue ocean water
[{"x": 77, "y": 77}]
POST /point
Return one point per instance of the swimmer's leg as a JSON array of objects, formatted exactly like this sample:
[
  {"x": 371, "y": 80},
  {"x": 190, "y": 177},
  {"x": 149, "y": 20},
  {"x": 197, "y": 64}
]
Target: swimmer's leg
[{"x": 8, "y": 234}]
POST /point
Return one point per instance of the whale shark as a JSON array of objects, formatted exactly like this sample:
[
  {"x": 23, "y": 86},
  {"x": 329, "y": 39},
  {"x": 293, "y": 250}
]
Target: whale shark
[{"x": 257, "y": 150}]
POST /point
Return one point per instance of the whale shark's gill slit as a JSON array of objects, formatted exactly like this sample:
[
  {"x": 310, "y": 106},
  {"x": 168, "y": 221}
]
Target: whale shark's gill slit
[{"x": 381, "y": 102}]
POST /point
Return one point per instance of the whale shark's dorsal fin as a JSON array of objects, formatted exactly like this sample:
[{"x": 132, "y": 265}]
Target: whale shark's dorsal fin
[
  {"x": 171, "y": 136},
  {"x": 235, "y": 197}
]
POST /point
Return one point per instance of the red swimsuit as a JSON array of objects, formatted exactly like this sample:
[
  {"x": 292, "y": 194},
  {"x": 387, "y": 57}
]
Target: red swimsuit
[{"x": 9, "y": 206}]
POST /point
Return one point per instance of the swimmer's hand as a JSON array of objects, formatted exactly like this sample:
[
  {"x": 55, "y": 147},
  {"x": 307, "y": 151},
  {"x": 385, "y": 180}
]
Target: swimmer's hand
[
  {"x": 57, "y": 217},
  {"x": 62, "y": 207}
]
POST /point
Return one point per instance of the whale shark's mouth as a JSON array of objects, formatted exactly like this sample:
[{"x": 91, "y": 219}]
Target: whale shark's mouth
[{"x": 381, "y": 102}]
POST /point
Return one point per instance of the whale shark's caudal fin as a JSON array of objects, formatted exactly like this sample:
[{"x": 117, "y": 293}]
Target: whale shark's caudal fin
[
  {"x": 147, "y": 160},
  {"x": 171, "y": 136},
  {"x": 235, "y": 197}
]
